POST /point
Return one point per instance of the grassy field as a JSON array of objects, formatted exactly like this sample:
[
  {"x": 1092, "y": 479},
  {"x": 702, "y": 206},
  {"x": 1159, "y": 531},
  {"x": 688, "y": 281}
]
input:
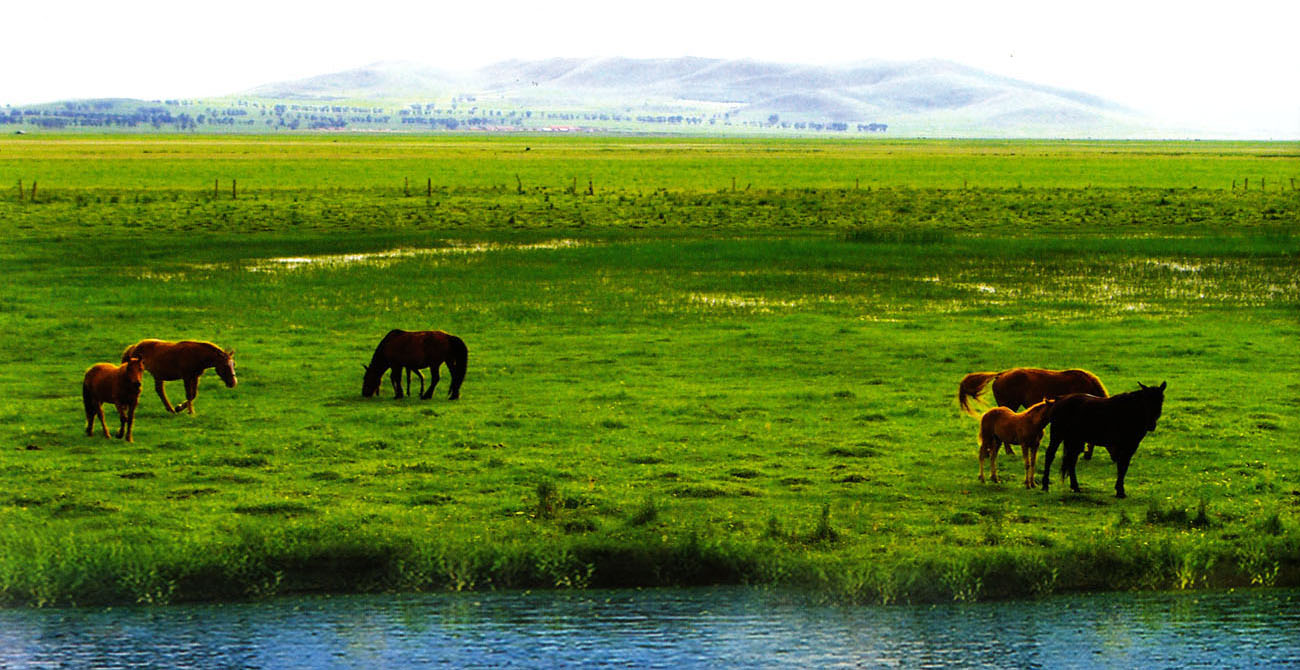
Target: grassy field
[{"x": 672, "y": 380}]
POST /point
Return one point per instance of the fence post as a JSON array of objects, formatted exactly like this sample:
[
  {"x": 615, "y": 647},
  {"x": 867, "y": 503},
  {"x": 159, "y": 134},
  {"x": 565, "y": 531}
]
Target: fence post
[
  {"x": 234, "y": 193},
  {"x": 428, "y": 188},
  {"x": 20, "y": 190},
  {"x": 33, "y": 198}
]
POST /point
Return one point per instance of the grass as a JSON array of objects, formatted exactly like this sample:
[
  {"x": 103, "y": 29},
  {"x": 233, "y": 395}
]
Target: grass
[{"x": 669, "y": 382}]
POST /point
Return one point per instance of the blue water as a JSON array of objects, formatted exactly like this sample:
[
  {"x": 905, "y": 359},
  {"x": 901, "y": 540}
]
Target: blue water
[{"x": 665, "y": 628}]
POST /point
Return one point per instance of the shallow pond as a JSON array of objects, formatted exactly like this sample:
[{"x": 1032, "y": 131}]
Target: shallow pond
[{"x": 665, "y": 628}]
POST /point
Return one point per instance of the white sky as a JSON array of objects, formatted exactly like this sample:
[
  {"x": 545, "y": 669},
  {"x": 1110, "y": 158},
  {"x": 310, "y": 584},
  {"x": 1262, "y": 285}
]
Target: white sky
[{"x": 1212, "y": 65}]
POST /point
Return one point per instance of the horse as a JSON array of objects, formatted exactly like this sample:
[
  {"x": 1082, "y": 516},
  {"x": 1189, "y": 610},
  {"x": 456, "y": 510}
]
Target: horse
[
  {"x": 1022, "y": 387},
  {"x": 118, "y": 384},
  {"x": 186, "y": 360},
  {"x": 411, "y": 351},
  {"x": 1118, "y": 423},
  {"x": 1002, "y": 427}
]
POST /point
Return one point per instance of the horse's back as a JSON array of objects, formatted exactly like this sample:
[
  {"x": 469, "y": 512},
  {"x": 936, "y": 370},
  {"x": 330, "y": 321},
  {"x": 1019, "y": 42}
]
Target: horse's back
[
  {"x": 100, "y": 381},
  {"x": 172, "y": 360},
  {"x": 144, "y": 349},
  {"x": 1026, "y": 386},
  {"x": 97, "y": 372},
  {"x": 1081, "y": 416}
]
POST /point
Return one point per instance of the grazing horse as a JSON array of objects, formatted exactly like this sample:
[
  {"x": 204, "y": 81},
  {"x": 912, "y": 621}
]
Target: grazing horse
[
  {"x": 118, "y": 384},
  {"x": 1118, "y": 423},
  {"x": 1022, "y": 387},
  {"x": 1002, "y": 427},
  {"x": 169, "y": 361},
  {"x": 412, "y": 351}
]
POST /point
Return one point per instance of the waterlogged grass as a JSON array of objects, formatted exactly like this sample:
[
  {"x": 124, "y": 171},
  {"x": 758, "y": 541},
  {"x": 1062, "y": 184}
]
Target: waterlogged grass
[{"x": 675, "y": 384}]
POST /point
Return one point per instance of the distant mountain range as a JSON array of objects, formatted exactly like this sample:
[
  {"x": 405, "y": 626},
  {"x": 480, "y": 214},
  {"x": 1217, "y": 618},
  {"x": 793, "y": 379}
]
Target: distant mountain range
[
  {"x": 909, "y": 98},
  {"x": 926, "y": 98}
]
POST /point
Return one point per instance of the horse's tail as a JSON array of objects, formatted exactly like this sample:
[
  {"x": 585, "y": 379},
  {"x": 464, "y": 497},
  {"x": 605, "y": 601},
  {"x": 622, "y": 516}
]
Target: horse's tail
[
  {"x": 87, "y": 399},
  {"x": 971, "y": 386},
  {"x": 457, "y": 362}
]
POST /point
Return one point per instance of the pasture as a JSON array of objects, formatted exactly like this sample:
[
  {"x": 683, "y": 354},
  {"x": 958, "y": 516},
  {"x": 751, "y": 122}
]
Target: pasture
[{"x": 673, "y": 377}]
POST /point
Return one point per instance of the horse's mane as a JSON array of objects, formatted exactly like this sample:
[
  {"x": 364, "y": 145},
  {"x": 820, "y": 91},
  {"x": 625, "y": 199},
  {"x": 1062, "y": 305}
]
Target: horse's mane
[{"x": 378, "y": 360}]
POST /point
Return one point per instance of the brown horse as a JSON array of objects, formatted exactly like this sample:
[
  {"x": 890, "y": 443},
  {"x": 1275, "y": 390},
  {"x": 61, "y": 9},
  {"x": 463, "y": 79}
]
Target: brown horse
[
  {"x": 1022, "y": 387},
  {"x": 118, "y": 384},
  {"x": 169, "y": 361},
  {"x": 415, "y": 350},
  {"x": 1002, "y": 427}
]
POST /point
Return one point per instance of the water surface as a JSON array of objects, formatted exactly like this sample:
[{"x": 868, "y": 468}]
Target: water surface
[{"x": 665, "y": 628}]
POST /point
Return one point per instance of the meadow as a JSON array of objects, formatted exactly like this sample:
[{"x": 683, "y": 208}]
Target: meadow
[{"x": 691, "y": 362}]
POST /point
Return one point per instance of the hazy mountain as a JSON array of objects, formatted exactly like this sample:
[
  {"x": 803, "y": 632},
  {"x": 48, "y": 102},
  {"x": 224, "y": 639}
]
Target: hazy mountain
[{"x": 911, "y": 98}]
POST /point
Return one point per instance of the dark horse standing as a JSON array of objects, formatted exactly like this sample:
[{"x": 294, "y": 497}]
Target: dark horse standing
[
  {"x": 186, "y": 360},
  {"x": 1118, "y": 423},
  {"x": 415, "y": 350}
]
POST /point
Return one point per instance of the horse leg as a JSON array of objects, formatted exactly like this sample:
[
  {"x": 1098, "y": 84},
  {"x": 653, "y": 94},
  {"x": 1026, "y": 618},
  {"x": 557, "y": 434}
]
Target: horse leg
[
  {"x": 90, "y": 419},
  {"x": 121, "y": 420},
  {"x": 1029, "y": 451},
  {"x": 395, "y": 377},
  {"x": 1121, "y": 466},
  {"x": 130, "y": 422},
  {"x": 408, "y": 380},
  {"x": 1052, "y": 444},
  {"x": 191, "y": 391},
  {"x": 1071, "y": 459},
  {"x": 993, "y": 461},
  {"x": 158, "y": 386},
  {"x": 99, "y": 408},
  {"x": 433, "y": 382},
  {"x": 1087, "y": 452},
  {"x": 982, "y": 453},
  {"x": 418, "y": 374}
]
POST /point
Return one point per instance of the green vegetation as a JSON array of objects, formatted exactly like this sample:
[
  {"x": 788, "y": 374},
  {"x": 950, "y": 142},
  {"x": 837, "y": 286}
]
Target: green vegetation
[{"x": 671, "y": 380}]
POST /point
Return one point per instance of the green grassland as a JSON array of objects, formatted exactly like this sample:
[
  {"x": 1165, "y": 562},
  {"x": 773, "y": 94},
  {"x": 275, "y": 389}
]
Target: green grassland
[{"x": 673, "y": 379}]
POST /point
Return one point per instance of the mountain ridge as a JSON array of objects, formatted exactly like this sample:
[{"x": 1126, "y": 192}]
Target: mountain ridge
[{"x": 916, "y": 97}]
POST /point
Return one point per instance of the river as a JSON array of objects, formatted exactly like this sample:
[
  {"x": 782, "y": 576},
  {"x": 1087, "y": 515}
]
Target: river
[{"x": 665, "y": 628}]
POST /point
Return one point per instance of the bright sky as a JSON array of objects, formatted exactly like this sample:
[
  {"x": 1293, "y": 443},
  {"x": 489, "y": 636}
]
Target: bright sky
[{"x": 1211, "y": 65}]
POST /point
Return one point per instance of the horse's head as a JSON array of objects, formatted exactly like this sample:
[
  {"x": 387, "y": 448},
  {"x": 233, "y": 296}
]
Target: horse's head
[
  {"x": 225, "y": 368},
  {"x": 1041, "y": 412},
  {"x": 134, "y": 373},
  {"x": 1154, "y": 399},
  {"x": 370, "y": 382}
]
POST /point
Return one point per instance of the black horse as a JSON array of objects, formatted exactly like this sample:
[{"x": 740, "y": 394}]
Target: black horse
[{"x": 1118, "y": 423}]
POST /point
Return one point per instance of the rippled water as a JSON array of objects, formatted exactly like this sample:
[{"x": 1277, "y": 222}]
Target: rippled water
[{"x": 668, "y": 628}]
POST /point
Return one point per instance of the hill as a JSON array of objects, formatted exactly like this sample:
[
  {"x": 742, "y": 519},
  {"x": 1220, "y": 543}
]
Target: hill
[{"x": 695, "y": 95}]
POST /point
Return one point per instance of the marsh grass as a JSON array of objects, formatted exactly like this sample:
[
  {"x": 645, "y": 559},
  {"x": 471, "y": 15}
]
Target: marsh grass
[{"x": 666, "y": 385}]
